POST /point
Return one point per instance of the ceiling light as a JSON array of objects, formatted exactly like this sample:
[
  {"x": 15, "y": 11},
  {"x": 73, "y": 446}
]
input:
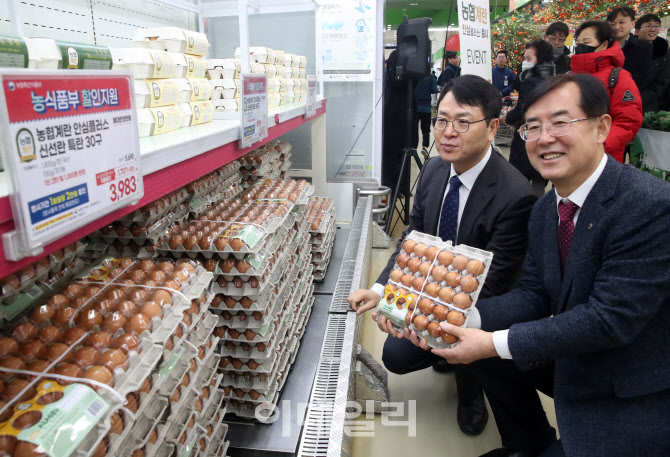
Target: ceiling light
[{"x": 413, "y": 4}]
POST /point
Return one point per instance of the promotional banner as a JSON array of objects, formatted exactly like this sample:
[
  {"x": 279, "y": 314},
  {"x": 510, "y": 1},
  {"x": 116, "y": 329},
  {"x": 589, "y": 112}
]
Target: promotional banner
[
  {"x": 253, "y": 109},
  {"x": 310, "y": 107},
  {"x": 72, "y": 150},
  {"x": 347, "y": 34},
  {"x": 475, "y": 38}
]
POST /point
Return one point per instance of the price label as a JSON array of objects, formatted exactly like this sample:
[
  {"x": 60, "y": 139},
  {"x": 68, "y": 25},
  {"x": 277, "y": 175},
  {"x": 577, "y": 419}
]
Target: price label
[
  {"x": 72, "y": 149},
  {"x": 310, "y": 108},
  {"x": 253, "y": 109}
]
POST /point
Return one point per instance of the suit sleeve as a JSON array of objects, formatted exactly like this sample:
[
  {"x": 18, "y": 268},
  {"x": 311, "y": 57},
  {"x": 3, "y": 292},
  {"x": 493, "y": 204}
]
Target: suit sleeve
[
  {"x": 415, "y": 218},
  {"x": 641, "y": 75},
  {"x": 508, "y": 244},
  {"x": 626, "y": 116},
  {"x": 630, "y": 286},
  {"x": 510, "y": 84}
]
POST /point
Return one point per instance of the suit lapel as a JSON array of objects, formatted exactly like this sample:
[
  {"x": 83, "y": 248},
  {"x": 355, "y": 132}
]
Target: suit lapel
[
  {"x": 589, "y": 217},
  {"x": 434, "y": 204},
  {"x": 481, "y": 194}
]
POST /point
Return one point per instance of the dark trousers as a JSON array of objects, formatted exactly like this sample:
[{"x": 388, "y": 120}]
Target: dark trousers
[
  {"x": 400, "y": 356},
  {"x": 516, "y": 405},
  {"x": 424, "y": 121}
]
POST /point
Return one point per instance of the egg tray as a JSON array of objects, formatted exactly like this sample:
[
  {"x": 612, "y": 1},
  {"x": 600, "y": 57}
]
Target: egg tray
[
  {"x": 253, "y": 352},
  {"x": 267, "y": 366},
  {"x": 324, "y": 237},
  {"x": 325, "y": 250},
  {"x": 269, "y": 393},
  {"x": 250, "y": 322},
  {"x": 247, "y": 409},
  {"x": 213, "y": 403},
  {"x": 139, "y": 217},
  {"x": 138, "y": 431},
  {"x": 280, "y": 367},
  {"x": 260, "y": 304},
  {"x": 326, "y": 223},
  {"x": 152, "y": 234},
  {"x": 142, "y": 253},
  {"x": 314, "y": 201},
  {"x": 10, "y": 296},
  {"x": 227, "y": 190},
  {"x": 172, "y": 369},
  {"x": 217, "y": 444},
  {"x": 325, "y": 259}
]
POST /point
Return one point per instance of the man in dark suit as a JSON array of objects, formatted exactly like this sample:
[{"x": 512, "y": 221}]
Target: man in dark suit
[
  {"x": 452, "y": 70},
  {"x": 638, "y": 53},
  {"x": 591, "y": 314},
  {"x": 493, "y": 202}
]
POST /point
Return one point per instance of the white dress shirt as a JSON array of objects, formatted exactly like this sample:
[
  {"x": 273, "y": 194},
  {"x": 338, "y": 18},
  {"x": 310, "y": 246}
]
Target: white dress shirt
[
  {"x": 579, "y": 195},
  {"x": 467, "y": 179}
]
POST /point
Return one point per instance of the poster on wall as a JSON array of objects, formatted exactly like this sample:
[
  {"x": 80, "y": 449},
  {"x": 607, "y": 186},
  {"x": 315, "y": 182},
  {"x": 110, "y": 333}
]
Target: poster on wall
[
  {"x": 253, "y": 109},
  {"x": 347, "y": 32},
  {"x": 475, "y": 38}
]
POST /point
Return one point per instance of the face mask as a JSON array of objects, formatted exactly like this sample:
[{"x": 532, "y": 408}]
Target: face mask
[
  {"x": 585, "y": 48},
  {"x": 558, "y": 52},
  {"x": 526, "y": 65}
]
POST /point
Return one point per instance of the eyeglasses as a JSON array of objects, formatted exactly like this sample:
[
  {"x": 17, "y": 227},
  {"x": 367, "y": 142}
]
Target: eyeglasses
[
  {"x": 556, "y": 39},
  {"x": 460, "y": 125},
  {"x": 558, "y": 127},
  {"x": 651, "y": 26}
]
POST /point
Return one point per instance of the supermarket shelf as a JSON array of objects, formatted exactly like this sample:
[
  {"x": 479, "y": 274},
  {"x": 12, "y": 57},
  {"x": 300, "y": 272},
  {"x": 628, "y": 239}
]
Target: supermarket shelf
[
  {"x": 171, "y": 162},
  {"x": 282, "y": 437},
  {"x": 327, "y": 286}
]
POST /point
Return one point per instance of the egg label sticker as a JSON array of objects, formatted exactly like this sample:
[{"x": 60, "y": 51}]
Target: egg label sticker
[
  {"x": 58, "y": 418},
  {"x": 395, "y": 306}
]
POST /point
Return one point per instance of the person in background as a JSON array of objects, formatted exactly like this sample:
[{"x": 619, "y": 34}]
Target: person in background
[
  {"x": 647, "y": 28},
  {"x": 555, "y": 35},
  {"x": 470, "y": 195},
  {"x": 598, "y": 54},
  {"x": 538, "y": 65},
  {"x": 434, "y": 75},
  {"x": 637, "y": 53},
  {"x": 503, "y": 77},
  {"x": 452, "y": 70},
  {"x": 426, "y": 87}
]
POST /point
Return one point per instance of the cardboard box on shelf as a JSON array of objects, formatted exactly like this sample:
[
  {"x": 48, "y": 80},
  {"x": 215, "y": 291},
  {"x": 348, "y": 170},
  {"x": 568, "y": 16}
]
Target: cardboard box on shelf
[
  {"x": 223, "y": 68},
  {"x": 188, "y": 66},
  {"x": 172, "y": 39},
  {"x": 144, "y": 63},
  {"x": 150, "y": 93},
  {"x": 155, "y": 121},
  {"x": 195, "y": 113},
  {"x": 48, "y": 54}
]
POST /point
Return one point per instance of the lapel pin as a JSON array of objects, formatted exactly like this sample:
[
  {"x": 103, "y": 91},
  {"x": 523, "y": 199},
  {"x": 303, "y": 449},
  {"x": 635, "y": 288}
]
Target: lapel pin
[{"x": 590, "y": 226}]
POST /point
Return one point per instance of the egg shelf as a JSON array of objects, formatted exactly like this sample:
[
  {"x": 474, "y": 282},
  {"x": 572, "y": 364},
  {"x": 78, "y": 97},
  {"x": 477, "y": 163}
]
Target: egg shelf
[
  {"x": 151, "y": 233},
  {"x": 225, "y": 192},
  {"x": 328, "y": 219},
  {"x": 145, "y": 216},
  {"x": 138, "y": 431}
]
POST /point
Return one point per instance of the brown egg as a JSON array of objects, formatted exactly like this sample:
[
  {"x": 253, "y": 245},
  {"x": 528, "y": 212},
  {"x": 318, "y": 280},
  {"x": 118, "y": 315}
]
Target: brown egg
[
  {"x": 236, "y": 244},
  {"x": 6, "y": 414},
  {"x": 89, "y": 319},
  {"x": 27, "y": 449},
  {"x": 138, "y": 323},
  {"x": 447, "y": 294},
  {"x": 420, "y": 322},
  {"x": 242, "y": 266},
  {"x": 104, "y": 306},
  {"x": 162, "y": 297},
  {"x": 58, "y": 301},
  {"x": 250, "y": 334},
  {"x": 138, "y": 453},
  {"x": 99, "y": 340},
  {"x": 408, "y": 318},
  {"x": 12, "y": 363},
  {"x": 14, "y": 387},
  {"x": 453, "y": 278},
  {"x": 407, "y": 279},
  {"x": 63, "y": 316},
  {"x": 460, "y": 262},
  {"x": 228, "y": 265},
  {"x": 73, "y": 335},
  {"x": 100, "y": 374},
  {"x": 145, "y": 387},
  {"x": 8, "y": 346},
  {"x": 73, "y": 291},
  {"x": 434, "y": 329},
  {"x": 126, "y": 308},
  {"x": 51, "y": 397},
  {"x": 447, "y": 338},
  {"x": 67, "y": 369},
  {"x": 426, "y": 306},
  {"x": 27, "y": 420},
  {"x": 151, "y": 309},
  {"x": 402, "y": 260},
  {"x": 417, "y": 283},
  {"x": 33, "y": 349},
  {"x": 462, "y": 301},
  {"x": 475, "y": 267},
  {"x": 396, "y": 275},
  {"x": 253, "y": 282},
  {"x": 153, "y": 437},
  {"x": 424, "y": 269},
  {"x": 116, "y": 424},
  {"x": 176, "y": 395},
  {"x": 7, "y": 445},
  {"x": 49, "y": 334},
  {"x": 38, "y": 366},
  {"x": 114, "y": 358},
  {"x": 166, "y": 266},
  {"x": 420, "y": 250},
  {"x": 456, "y": 318},
  {"x": 432, "y": 289},
  {"x": 138, "y": 295},
  {"x": 431, "y": 253},
  {"x": 445, "y": 258},
  {"x": 42, "y": 313},
  {"x": 175, "y": 242},
  {"x": 469, "y": 284},
  {"x": 113, "y": 322},
  {"x": 91, "y": 291},
  {"x": 56, "y": 350},
  {"x": 440, "y": 312},
  {"x": 439, "y": 273},
  {"x": 86, "y": 355},
  {"x": 413, "y": 265},
  {"x": 115, "y": 293},
  {"x": 408, "y": 246},
  {"x": 24, "y": 332}
]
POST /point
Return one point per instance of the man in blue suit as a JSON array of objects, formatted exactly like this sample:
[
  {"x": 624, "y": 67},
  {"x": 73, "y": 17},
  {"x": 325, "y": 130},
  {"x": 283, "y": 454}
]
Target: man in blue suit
[{"x": 591, "y": 315}]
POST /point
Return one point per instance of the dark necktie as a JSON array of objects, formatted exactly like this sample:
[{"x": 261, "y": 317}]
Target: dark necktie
[
  {"x": 566, "y": 228},
  {"x": 449, "y": 215}
]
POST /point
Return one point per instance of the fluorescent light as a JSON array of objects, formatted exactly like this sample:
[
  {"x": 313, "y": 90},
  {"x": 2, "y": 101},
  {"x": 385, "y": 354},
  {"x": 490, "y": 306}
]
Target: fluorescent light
[{"x": 413, "y": 4}]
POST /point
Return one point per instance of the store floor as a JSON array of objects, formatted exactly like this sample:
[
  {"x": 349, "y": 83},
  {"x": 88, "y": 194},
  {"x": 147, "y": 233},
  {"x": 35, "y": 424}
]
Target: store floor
[{"x": 437, "y": 432}]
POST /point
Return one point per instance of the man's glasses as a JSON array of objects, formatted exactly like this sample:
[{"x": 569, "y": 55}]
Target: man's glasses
[
  {"x": 460, "y": 125},
  {"x": 556, "y": 39},
  {"x": 651, "y": 26},
  {"x": 558, "y": 127}
]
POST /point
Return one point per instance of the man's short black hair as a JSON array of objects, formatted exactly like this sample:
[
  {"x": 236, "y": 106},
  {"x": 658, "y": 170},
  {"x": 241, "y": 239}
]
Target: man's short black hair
[
  {"x": 593, "y": 100},
  {"x": 558, "y": 27},
  {"x": 646, "y": 18},
  {"x": 502, "y": 51},
  {"x": 451, "y": 55},
  {"x": 604, "y": 32},
  {"x": 543, "y": 50},
  {"x": 625, "y": 10},
  {"x": 472, "y": 90}
]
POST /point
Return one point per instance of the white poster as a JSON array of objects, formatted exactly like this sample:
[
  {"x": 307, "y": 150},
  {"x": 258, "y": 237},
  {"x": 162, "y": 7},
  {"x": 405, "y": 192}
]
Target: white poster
[
  {"x": 475, "y": 37},
  {"x": 347, "y": 32},
  {"x": 253, "y": 109},
  {"x": 310, "y": 108}
]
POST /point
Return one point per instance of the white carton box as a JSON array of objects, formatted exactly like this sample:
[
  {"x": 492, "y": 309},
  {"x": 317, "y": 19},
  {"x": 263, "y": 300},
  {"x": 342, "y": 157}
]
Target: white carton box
[
  {"x": 194, "y": 113},
  {"x": 150, "y": 93},
  {"x": 172, "y": 39},
  {"x": 225, "y": 88},
  {"x": 295, "y": 61},
  {"x": 301, "y": 95},
  {"x": 48, "y": 54},
  {"x": 279, "y": 57},
  {"x": 226, "y": 104},
  {"x": 43, "y": 53},
  {"x": 223, "y": 68},
  {"x": 285, "y": 84},
  {"x": 270, "y": 70},
  {"x": 257, "y": 68},
  {"x": 274, "y": 100},
  {"x": 200, "y": 89},
  {"x": 144, "y": 63},
  {"x": 303, "y": 61},
  {"x": 281, "y": 71},
  {"x": 188, "y": 66},
  {"x": 287, "y": 97},
  {"x": 288, "y": 59},
  {"x": 154, "y": 121},
  {"x": 260, "y": 54},
  {"x": 288, "y": 72},
  {"x": 302, "y": 73},
  {"x": 274, "y": 85}
]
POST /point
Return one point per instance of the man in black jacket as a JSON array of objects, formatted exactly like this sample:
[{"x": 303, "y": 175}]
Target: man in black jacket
[
  {"x": 638, "y": 53},
  {"x": 555, "y": 35},
  {"x": 647, "y": 28},
  {"x": 452, "y": 69},
  {"x": 493, "y": 201}
]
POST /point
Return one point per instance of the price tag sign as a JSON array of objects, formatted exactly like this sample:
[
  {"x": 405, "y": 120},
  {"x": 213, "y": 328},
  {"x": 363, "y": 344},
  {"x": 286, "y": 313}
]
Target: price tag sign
[
  {"x": 310, "y": 109},
  {"x": 72, "y": 150},
  {"x": 253, "y": 109}
]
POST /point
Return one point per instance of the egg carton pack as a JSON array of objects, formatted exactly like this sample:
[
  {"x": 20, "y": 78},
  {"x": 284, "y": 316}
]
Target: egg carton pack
[
  {"x": 257, "y": 351},
  {"x": 172, "y": 39},
  {"x": 150, "y": 213},
  {"x": 119, "y": 250},
  {"x": 259, "y": 54},
  {"x": 251, "y": 287},
  {"x": 216, "y": 446},
  {"x": 244, "y": 320},
  {"x": 226, "y": 192},
  {"x": 321, "y": 223},
  {"x": 252, "y": 265},
  {"x": 437, "y": 282},
  {"x": 260, "y": 303},
  {"x": 137, "y": 233},
  {"x": 223, "y": 69},
  {"x": 326, "y": 243},
  {"x": 80, "y": 420},
  {"x": 248, "y": 408},
  {"x": 231, "y": 387}
]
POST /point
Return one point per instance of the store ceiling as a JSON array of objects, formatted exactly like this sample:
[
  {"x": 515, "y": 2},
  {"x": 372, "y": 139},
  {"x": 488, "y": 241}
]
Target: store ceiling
[{"x": 437, "y": 10}]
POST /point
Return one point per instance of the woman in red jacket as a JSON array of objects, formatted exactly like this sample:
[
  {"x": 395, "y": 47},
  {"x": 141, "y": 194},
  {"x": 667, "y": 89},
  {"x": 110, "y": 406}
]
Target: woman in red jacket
[{"x": 597, "y": 54}]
